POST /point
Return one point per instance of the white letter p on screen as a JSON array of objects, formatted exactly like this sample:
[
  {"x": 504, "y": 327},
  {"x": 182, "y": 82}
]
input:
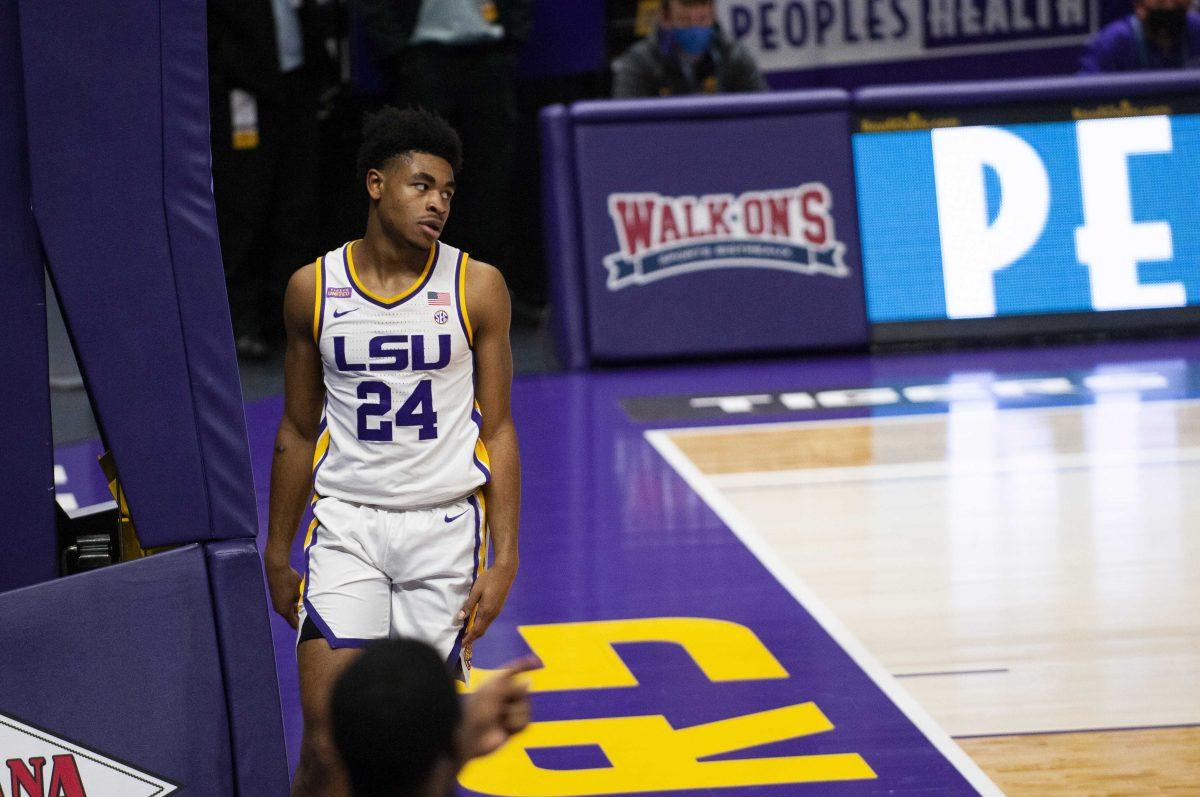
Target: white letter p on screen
[{"x": 972, "y": 249}]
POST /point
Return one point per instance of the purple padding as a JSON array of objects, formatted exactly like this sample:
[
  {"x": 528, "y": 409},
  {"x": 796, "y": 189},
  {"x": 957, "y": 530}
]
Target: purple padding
[
  {"x": 116, "y": 120},
  {"x": 740, "y": 307},
  {"x": 1002, "y": 92},
  {"x": 199, "y": 275},
  {"x": 561, "y": 228},
  {"x": 703, "y": 107},
  {"x": 124, "y": 660},
  {"x": 27, "y": 538},
  {"x": 248, "y": 665}
]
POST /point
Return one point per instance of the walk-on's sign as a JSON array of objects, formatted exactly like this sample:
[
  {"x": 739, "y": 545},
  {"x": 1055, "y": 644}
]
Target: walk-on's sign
[{"x": 36, "y": 763}]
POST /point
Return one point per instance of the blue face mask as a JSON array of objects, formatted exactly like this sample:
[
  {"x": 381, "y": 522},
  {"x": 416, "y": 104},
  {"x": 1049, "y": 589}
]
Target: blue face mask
[{"x": 693, "y": 41}]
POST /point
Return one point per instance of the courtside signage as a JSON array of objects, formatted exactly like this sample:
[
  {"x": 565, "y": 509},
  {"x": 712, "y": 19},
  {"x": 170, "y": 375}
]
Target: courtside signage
[
  {"x": 39, "y": 764},
  {"x": 786, "y": 35},
  {"x": 667, "y": 236},
  {"x": 692, "y": 244},
  {"x": 1049, "y": 389},
  {"x": 1051, "y": 217}
]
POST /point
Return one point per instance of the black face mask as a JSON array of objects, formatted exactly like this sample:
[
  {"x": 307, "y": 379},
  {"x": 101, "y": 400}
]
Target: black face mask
[{"x": 1165, "y": 21}]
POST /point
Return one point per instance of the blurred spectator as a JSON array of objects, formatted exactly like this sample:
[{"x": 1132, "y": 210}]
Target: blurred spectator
[
  {"x": 458, "y": 58},
  {"x": 686, "y": 53},
  {"x": 264, "y": 151},
  {"x": 400, "y": 729},
  {"x": 1159, "y": 34}
]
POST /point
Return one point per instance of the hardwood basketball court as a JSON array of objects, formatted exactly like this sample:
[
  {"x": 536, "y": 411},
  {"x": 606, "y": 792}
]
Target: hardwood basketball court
[{"x": 1028, "y": 575}]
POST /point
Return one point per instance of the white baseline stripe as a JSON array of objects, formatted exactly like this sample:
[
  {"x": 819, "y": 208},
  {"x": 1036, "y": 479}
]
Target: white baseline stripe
[
  {"x": 1043, "y": 461},
  {"x": 820, "y": 612},
  {"x": 931, "y": 413}
]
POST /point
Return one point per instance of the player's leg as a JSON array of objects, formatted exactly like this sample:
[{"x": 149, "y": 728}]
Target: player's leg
[
  {"x": 345, "y": 605},
  {"x": 446, "y": 549},
  {"x": 319, "y": 772}
]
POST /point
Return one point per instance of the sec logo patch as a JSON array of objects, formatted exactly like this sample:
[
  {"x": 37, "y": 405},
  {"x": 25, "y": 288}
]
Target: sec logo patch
[{"x": 441, "y": 316}]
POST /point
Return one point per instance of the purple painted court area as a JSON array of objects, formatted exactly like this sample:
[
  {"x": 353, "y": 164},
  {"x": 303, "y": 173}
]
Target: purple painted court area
[{"x": 610, "y": 532}]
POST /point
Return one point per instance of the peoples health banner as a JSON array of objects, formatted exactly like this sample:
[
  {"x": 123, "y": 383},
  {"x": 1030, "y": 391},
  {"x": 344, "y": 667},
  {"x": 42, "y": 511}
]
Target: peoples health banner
[
  {"x": 790, "y": 35},
  {"x": 981, "y": 221}
]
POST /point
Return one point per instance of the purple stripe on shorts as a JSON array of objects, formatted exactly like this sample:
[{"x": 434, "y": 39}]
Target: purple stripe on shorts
[
  {"x": 457, "y": 649},
  {"x": 333, "y": 639}
]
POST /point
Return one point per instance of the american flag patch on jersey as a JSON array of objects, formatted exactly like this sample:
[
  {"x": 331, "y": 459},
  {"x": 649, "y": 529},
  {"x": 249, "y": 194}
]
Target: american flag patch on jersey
[{"x": 437, "y": 298}]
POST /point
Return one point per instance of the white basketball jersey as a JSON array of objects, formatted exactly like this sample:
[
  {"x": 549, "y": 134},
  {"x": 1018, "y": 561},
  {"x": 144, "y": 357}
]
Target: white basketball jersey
[{"x": 400, "y": 428}]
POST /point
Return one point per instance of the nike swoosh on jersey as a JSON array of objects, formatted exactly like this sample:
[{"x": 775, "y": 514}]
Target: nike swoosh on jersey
[
  {"x": 456, "y": 517},
  {"x": 340, "y": 313}
]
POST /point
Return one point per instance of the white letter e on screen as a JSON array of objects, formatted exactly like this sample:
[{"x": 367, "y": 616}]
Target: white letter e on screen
[{"x": 1109, "y": 243}]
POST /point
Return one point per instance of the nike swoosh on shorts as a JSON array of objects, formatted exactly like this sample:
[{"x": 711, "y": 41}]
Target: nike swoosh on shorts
[{"x": 456, "y": 517}]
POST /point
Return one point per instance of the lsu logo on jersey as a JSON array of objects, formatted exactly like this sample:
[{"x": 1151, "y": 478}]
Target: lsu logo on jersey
[
  {"x": 789, "y": 229},
  {"x": 393, "y": 353}
]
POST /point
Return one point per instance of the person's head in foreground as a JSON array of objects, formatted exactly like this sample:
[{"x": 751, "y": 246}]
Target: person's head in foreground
[{"x": 401, "y": 729}]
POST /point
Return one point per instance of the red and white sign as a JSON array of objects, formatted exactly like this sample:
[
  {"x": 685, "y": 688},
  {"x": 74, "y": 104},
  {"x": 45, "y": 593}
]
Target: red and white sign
[
  {"x": 35, "y": 763},
  {"x": 788, "y": 229}
]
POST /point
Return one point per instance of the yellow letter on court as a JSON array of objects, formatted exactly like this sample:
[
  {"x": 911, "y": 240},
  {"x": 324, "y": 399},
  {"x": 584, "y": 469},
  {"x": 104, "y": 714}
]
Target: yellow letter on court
[
  {"x": 647, "y": 754},
  {"x": 581, "y": 655}
]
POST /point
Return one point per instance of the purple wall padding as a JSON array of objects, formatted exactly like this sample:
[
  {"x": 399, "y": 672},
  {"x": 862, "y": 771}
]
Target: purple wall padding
[
  {"x": 1003, "y": 92},
  {"x": 199, "y": 275},
  {"x": 124, "y": 660},
  {"x": 724, "y": 106},
  {"x": 248, "y": 665},
  {"x": 117, "y": 118},
  {"x": 561, "y": 224},
  {"x": 27, "y": 537}
]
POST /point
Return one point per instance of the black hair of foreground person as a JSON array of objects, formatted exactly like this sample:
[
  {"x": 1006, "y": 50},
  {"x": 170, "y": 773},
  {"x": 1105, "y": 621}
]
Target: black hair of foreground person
[{"x": 401, "y": 728}]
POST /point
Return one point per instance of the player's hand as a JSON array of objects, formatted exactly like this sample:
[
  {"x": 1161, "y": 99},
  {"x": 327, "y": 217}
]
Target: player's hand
[
  {"x": 284, "y": 583},
  {"x": 486, "y": 600},
  {"x": 496, "y": 711}
]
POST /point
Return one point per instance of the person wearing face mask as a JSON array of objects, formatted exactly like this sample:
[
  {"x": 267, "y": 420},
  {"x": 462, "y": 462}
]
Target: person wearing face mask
[
  {"x": 686, "y": 53},
  {"x": 1159, "y": 34}
]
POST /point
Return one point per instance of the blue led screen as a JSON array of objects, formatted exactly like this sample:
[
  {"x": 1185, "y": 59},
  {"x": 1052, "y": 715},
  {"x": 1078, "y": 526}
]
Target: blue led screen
[{"x": 1027, "y": 219}]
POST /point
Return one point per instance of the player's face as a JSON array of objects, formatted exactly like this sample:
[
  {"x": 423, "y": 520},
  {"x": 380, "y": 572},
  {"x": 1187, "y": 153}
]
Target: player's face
[{"x": 413, "y": 193}]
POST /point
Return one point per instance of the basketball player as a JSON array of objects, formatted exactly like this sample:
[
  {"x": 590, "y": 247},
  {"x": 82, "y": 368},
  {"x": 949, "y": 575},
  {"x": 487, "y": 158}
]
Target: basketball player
[{"x": 396, "y": 417}]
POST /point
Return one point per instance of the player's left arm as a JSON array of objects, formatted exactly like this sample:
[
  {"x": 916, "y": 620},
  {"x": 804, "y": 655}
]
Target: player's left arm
[{"x": 490, "y": 314}]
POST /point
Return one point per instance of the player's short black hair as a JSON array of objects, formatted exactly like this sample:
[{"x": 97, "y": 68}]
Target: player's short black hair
[
  {"x": 393, "y": 131},
  {"x": 394, "y": 714}
]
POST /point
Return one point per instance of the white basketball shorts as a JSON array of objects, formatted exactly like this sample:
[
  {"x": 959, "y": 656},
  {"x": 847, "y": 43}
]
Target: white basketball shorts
[{"x": 374, "y": 573}]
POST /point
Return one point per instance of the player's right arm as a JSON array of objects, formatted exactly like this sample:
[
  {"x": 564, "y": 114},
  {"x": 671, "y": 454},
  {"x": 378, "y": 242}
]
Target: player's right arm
[{"x": 291, "y": 465}]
